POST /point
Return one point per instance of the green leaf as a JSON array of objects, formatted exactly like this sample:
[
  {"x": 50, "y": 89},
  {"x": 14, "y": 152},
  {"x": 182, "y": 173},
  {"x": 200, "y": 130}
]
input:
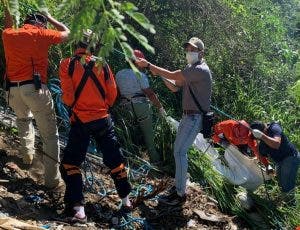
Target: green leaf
[
  {"x": 295, "y": 90},
  {"x": 128, "y": 51},
  {"x": 142, "y": 39},
  {"x": 142, "y": 20},
  {"x": 128, "y": 6},
  {"x": 120, "y": 34},
  {"x": 13, "y": 8},
  {"x": 42, "y": 7},
  {"x": 117, "y": 14},
  {"x": 108, "y": 40},
  {"x": 135, "y": 70}
]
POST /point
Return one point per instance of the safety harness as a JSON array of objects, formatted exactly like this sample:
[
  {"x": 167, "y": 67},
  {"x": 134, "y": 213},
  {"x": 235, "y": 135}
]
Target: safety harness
[{"x": 88, "y": 73}]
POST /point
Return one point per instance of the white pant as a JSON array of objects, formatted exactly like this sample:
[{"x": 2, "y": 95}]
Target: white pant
[{"x": 28, "y": 103}]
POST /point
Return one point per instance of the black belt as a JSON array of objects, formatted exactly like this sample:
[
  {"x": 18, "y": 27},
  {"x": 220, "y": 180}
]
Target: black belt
[
  {"x": 191, "y": 112},
  {"x": 135, "y": 96},
  {"x": 20, "y": 83}
]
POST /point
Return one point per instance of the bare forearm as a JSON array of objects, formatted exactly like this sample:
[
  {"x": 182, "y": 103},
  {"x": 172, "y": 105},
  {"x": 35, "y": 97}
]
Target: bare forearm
[
  {"x": 58, "y": 25},
  {"x": 152, "y": 97},
  {"x": 156, "y": 70},
  {"x": 170, "y": 86},
  {"x": 155, "y": 101},
  {"x": 271, "y": 142}
]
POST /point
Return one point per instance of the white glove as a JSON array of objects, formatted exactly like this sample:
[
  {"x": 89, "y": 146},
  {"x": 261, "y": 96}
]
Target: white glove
[
  {"x": 162, "y": 112},
  {"x": 257, "y": 134},
  {"x": 270, "y": 170}
]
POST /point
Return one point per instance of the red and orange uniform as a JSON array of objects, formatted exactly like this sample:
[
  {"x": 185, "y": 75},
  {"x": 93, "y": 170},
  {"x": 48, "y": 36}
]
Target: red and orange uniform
[
  {"x": 90, "y": 105},
  {"x": 237, "y": 133},
  {"x": 26, "y": 49}
]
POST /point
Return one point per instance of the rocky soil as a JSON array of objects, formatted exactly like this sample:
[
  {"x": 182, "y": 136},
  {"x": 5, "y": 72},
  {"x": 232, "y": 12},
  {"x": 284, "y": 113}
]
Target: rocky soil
[{"x": 23, "y": 198}]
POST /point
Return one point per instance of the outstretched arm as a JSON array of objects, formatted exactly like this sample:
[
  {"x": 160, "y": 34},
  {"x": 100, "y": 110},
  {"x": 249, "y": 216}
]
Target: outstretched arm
[
  {"x": 156, "y": 70},
  {"x": 273, "y": 142}
]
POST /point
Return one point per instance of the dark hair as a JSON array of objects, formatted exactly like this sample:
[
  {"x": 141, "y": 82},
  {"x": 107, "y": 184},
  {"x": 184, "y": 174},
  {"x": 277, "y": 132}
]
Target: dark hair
[
  {"x": 258, "y": 125},
  {"x": 85, "y": 45},
  {"x": 34, "y": 19},
  {"x": 85, "y": 42},
  {"x": 82, "y": 44}
]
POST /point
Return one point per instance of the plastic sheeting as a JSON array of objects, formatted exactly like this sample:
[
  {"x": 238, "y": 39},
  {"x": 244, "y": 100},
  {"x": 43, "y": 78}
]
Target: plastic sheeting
[{"x": 240, "y": 169}]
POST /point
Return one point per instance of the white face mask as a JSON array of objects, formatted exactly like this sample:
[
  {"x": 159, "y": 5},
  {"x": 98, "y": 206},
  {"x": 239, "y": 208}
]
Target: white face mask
[{"x": 192, "y": 57}]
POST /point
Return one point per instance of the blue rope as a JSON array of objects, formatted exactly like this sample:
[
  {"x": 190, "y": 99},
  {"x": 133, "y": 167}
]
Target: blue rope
[
  {"x": 223, "y": 113},
  {"x": 63, "y": 111},
  {"x": 34, "y": 199},
  {"x": 91, "y": 181},
  {"x": 142, "y": 171},
  {"x": 147, "y": 189},
  {"x": 128, "y": 220},
  {"x": 93, "y": 184}
]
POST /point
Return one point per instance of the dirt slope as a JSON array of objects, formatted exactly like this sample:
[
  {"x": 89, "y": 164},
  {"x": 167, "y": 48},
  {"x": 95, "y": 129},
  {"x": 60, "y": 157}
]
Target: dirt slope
[{"x": 25, "y": 199}]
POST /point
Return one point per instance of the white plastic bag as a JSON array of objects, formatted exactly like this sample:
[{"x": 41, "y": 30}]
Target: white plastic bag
[{"x": 241, "y": 170}]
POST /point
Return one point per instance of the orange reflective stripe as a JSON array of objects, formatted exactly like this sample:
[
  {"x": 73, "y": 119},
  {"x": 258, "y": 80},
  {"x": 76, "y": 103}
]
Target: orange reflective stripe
[
  {"x": 67, "y": 166},
  {"x": 72, "y": 172},
  {"x": 122, "y": 174},
  {"x": 117, "y": 169}
]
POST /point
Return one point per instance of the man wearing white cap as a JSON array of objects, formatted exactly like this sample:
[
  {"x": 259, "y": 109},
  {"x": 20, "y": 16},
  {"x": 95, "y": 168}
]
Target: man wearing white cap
[{"x": 195, "y": 80}]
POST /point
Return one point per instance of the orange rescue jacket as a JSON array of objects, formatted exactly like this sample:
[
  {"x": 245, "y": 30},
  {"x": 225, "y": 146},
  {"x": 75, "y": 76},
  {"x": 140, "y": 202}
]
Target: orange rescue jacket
[{"x": 90, "y": 105}]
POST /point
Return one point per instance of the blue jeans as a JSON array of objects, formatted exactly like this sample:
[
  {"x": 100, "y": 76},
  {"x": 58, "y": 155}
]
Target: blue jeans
[
  {"x": 188, "y": 129},
  {"x": 286, "y": 171}
]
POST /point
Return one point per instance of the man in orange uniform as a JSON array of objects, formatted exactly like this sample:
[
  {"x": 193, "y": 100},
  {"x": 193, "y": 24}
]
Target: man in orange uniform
[
  {"x": 237, "y": 133},
  {"x": 26, "y": 53},
  {"x": 89, "y": 90}
]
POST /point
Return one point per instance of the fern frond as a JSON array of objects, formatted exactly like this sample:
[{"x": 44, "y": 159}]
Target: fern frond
[{"x": 13, "y": 8}]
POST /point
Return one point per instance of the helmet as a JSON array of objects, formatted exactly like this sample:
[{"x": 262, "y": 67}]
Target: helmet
[
  {"x": 138, "y": 54},
  {"x": 87, "y": 35},
  {"x": 86, "y": 39}
]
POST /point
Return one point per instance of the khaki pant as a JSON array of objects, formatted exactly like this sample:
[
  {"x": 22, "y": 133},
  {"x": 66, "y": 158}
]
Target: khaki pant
[
  {"x": 142, "y": 113},
  {"x": 28, "y": 103}
]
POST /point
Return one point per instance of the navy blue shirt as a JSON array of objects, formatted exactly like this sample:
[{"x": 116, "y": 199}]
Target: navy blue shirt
[{"x": 286, "y": 148}]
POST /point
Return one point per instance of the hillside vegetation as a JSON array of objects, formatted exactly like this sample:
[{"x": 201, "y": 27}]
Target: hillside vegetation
[{"x": 252, "y": 48}]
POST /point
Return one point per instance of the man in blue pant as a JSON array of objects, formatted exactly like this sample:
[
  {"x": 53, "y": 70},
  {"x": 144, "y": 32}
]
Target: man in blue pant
[
  {"x": 275, "y": 144},
  {"x": 196, "y": 79}
]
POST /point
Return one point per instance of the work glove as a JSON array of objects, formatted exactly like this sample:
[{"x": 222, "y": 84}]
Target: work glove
[
  {"x": 257, "y": 134},
  {"x": 162, "y": 112}
]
